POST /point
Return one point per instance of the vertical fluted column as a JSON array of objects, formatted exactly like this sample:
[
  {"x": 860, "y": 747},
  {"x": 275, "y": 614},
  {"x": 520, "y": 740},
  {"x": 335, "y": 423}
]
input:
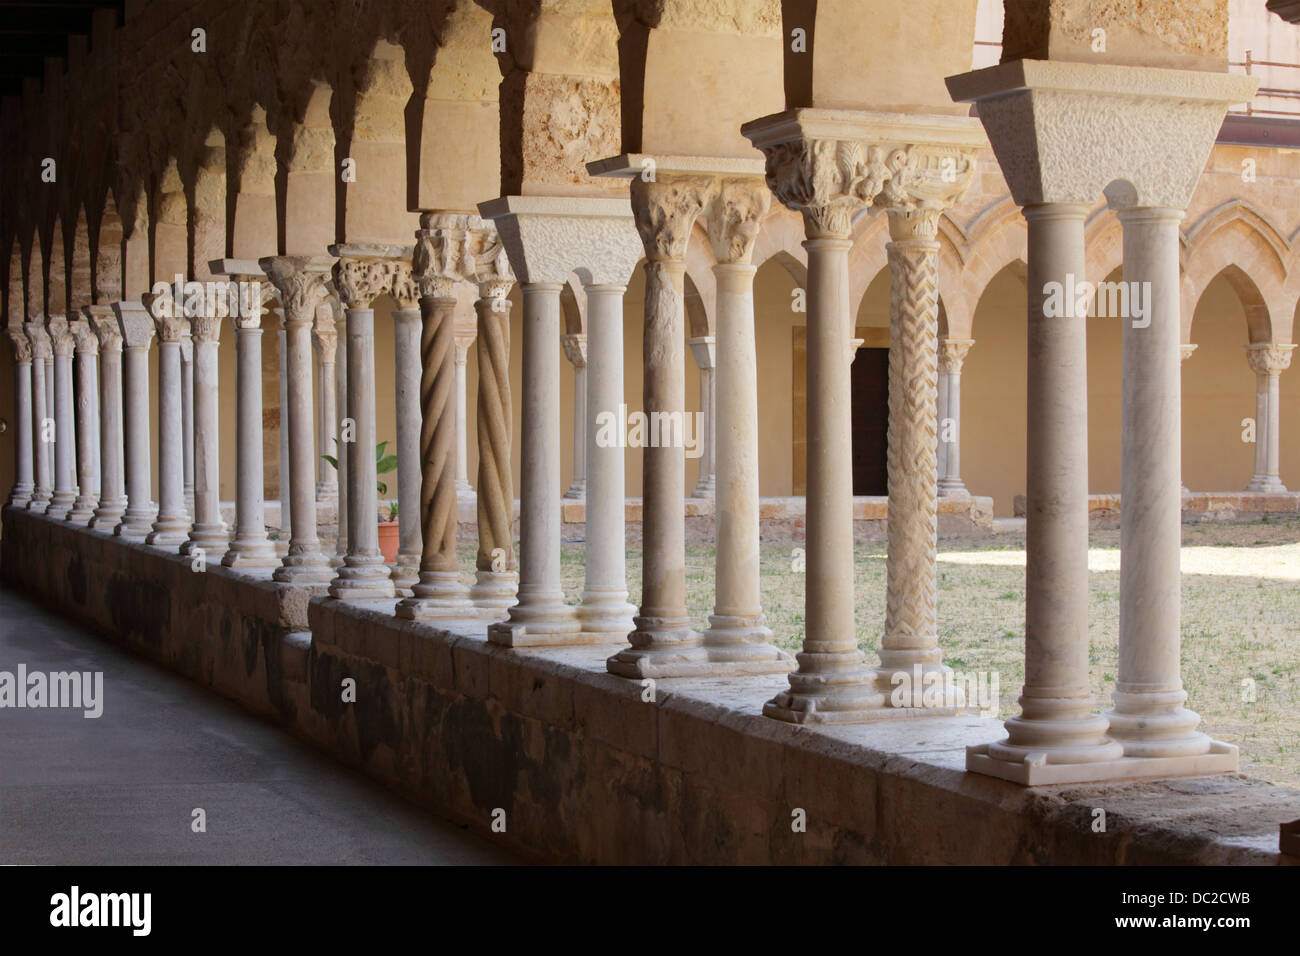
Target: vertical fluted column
[
  {"x": 463, "y": 343},
  {"x": 1268, "y": 362},
  {"x": 300, "y": 281},
  {"x": 112, "y": 497},
  {"x": 406, "y": 359},
  {"x": 24, "y": 474},
  {"x": 42, "y": 432},
  {"x": 664, "y": 643},
  {"x": 704, "y": 351},
  {"x": 325, "y": 339},
  {"x": 286, "y": 500},
  {"x": 738, "y": 635},
  {"x": 952, "y": 353},
  {"x": 604, "y": 612},
  {"x": 1057, "y": 724},
  {"x": 172, "y": 524},
  {"x": 209, "y": 531},
  {"x": 249, "y": 547},
  {"x": 439, "y": 260},
  {"x": 137, "y": 329},
  {"x": 540, "y": 609},
  {"x": 1149, "y": 718},
  {"x": 63, "y": 343},
  {"x": 87, "y": 370},
  {"x": 496, "y": 579},
  {"x": 359, "y": 278},
  {"x": 575, "y": 350},
  {"x": 187, "y": 417}
]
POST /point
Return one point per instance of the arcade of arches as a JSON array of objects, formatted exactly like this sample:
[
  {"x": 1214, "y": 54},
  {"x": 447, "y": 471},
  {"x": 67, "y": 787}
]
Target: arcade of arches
[{"x": 493, "y": 234}]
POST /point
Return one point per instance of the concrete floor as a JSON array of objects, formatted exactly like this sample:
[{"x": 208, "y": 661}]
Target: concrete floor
[{"x": 122, "y": 788}]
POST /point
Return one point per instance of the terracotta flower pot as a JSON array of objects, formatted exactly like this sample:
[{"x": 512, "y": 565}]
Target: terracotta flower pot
[{"x": 388, "y": 540}]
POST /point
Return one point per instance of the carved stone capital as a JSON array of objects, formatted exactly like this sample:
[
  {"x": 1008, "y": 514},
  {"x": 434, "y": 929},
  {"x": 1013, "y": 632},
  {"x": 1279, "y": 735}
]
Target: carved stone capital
[
  {"x": 491, "y": 263},
  {"x": 61, "y": 338},
  {"x": 442, "y": 255},
  {"x": 84, "y": 335},
  {"x": 22, "y": 345},
  {"x": 300, "y": 282},
  {"x": 665, "y": 210},
  {"x": 104, "y": 323},
  {"x": 1186, "y": 350},
  {"x": 952, "y": 353},
  {"x": 549, "y": 237},
  {"x": 359, "y": 281},
  {"x": 828, "y": 181},
  {"x": 172, "y": 326},
  {"x": 575, "y": 349},
  {"x": 405, "y": 289},
  {"x": 206, "y": 328},
  {"x": 1268, "y": 359},
  {"x": 187, "y": 348},
  {"x": 42, "y": 347},
  {"x": 924, "y": 180},
  {"x": 733, "y": 217},
  {"x": 464, "y": 339},
  {"x": 704, "y": 349},
  {"x": 135, "y": 323},
  {"x": 324, "y": 334}
]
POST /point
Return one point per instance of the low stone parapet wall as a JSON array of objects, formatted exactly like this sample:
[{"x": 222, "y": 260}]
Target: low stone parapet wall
[
  {"x": 581, "y": 766},
  {"x": 1104, "y": 510}
]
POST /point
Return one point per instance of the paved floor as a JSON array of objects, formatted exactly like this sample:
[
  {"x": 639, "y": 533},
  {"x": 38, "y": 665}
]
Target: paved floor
[{"x": 122, "y": 788}]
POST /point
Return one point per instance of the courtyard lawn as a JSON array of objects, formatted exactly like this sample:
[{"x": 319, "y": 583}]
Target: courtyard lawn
[{"x": 1241, "y": 621}]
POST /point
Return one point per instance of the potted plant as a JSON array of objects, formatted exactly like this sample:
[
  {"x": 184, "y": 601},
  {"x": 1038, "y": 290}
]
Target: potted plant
[{"x": 388, "y": 527}]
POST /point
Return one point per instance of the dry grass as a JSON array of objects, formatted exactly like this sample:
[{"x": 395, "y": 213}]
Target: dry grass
[{"x": 1241, "y": 621}]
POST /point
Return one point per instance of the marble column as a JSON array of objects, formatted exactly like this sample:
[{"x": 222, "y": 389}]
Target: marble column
[
  {"x": 703, "y": 349},
  {"x": 300, "y": 281},
  {"x": 1149, "y": 718},
  {"x": 137, "y": 329},
  {"x": 24, "y": 473},
  {"x": 575, "y": 350},
  {"x": 324, "y": 337},
  {"x": 738, "y": 635},
  {"x": 496, "y": 578},
  {"x": 362, "y": 273},
  {"x": 463, "y": 343},
  {"x": 952, "y": 353},
  {"x": 441, "y": 258},
  {"x": 112, "y": 498},
  {"x": 187, "y": 417},
  {"x": 406, "y": 379},
  {"x": 87, "y": 370},
  {"x": 209, "y": 532},
  {"x": 342, "y": 449},
  {"x": 286, "y": 499},
  {"x": 63, "y": 343},
  {"x": 172, "y": 525},
  {"x": 1268, "y": 362},
  {"x": 42, "y": 422},
  {"x": 541, "y": 609},
  {"x": 249, "y": 546},
  {"x": 1186, "y": 350}
]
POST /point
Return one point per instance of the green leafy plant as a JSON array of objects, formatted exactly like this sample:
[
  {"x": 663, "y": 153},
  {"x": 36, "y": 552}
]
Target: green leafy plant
[{"x": 383, "y": 465}]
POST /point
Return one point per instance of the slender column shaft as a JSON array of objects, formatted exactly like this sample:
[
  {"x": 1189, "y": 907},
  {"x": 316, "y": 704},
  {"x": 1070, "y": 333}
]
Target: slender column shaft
[
  {"x": 706, "y": 481},
  {"x": 605, "y": 609},
  {"x": 112, "y": 498},
  {"x": 406, "y": 335},
  {"x": 1274, "y": 429},
  {"x": 42, "y": 437},
  {"x": 87, "y": 371},
  {"x": 540, "y": 607},
  {"x": 137, "y": 331},
  {"x": 342, "y": 449},
  {"x": 575, "y": 349},
  {"x": 1259, "y": 481},
  {"x": 250, "y": 546},
  {"x": 172, "y": 525},
  {"x": 286, "y": 501},
  {"x": 1149, "y": 717},
  {"x": 952, "y": 353},
  {"x": 1056, "y": 718},
  {"x": 462, "y": 419},
  {"x": 209, "y": 531},
  {"x": 944, "y": 414},
  {"x": 326, "y": 341},
  {"x": 1268, "y": 361},
  {"x": 187, "y": 418},
  {"x": 24, "y": 474},
  {"x": 64, "y": 494}
]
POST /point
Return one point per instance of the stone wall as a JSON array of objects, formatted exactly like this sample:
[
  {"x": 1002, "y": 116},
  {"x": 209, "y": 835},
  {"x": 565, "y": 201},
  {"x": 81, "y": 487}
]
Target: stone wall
[{"x": 588, "y": 771}]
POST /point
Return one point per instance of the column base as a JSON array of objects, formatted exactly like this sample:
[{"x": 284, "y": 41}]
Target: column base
[
  {"x": 745, "y": 641},
  {"x": 251, "y": 553},
  {"x": 606, "y": 617},
  {"x": 663, "y": 647},
  {"x": 538, "y": 620},
  {"x": 1034, "y": 771},
  {"x": 83, "y": 509},
  {"x": 134, "y": 524},
  {"x": 835, "y": 688},
  {"x": 327, "y": 494},
  {"x": 363, "y": 577},
  {"x": 168, "y": 532},
  {"x": 437, "y": 594},
  {"x": 494, "y": 590},
  {"x": 38, "y": 502},
  {"x": 305, "y": 567},
  {"x": 577, "y": 490},
  {"x": 212, "y": 538},
  {"x": 1155, "y": 724},
  {"x": 463, "y": 488},
  {"x": 405, "y": 573},
  {"x": 20, "y": 495},
  {"x": 705, "y": 487},
  {"x": 953, "y": 488},
  {"x": 913, "y": 688},
  {"x": 60, "y": 504},
  {"x": 1266, "y": 485}
]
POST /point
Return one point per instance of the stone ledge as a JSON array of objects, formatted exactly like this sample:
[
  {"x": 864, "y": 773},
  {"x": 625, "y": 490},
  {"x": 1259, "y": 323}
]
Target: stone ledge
[
  {"x": 586, "y": 770},
  {"x": 1104, "y": 510}
]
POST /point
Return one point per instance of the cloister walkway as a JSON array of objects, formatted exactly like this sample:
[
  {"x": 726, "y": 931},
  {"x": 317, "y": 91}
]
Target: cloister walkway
[{"x": 122, "y": 788}]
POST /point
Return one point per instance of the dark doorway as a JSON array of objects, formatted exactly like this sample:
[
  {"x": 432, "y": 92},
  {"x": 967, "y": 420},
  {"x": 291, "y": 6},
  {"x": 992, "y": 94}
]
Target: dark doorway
[{"x": 870, "y": 421}]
